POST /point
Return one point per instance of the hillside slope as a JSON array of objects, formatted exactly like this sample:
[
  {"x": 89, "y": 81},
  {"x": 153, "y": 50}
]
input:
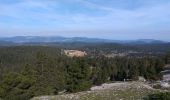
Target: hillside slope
[{"x": 115, "y": 91}]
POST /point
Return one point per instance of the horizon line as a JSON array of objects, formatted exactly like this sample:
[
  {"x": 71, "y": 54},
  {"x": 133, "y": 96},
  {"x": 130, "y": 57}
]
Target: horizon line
[{"x": 83, "y": 37}]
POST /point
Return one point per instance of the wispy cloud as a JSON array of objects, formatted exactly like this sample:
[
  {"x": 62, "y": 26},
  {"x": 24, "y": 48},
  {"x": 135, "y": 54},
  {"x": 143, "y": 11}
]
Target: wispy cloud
[{"x": 86, "y": 15}]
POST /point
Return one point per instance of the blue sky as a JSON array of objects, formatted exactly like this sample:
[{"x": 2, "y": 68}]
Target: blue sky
[{"x": 111, "y": 19}]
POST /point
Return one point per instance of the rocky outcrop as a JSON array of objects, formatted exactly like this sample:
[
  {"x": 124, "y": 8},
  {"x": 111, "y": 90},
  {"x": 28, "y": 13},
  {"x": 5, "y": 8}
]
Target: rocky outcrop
[{"x": 108, "y": 91}]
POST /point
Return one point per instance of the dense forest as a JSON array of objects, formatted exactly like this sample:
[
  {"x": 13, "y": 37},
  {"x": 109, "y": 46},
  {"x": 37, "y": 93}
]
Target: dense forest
[{"x": 28, "y": 71}]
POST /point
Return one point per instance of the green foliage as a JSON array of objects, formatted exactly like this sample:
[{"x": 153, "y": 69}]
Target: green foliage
[
  {"x": 78, "y": 76},
  {"x": 34, "y": 71},
  {"x": 167, "y": 58},
  {"x": 15, "y": 86},
  {"x": 158, "y": 96}
]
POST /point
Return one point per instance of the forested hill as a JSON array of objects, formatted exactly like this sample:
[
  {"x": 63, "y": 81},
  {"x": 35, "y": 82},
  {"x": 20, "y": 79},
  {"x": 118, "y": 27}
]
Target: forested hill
[
  {"x": 151, "y": 47},
  {"x": 48, "y": 39},
  {"x": 28, "y": 71}
]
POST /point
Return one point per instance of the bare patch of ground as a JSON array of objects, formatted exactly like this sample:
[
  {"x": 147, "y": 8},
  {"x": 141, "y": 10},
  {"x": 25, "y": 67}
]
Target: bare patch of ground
[{"x": 75, "y": 53}]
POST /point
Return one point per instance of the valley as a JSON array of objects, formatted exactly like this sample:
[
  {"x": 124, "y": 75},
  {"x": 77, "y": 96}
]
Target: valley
[{"x": 83, "y": 71}]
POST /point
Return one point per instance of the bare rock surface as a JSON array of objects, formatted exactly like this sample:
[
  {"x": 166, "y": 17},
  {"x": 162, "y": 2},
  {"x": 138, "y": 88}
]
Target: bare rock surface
[{"x": 108, "y": 91}]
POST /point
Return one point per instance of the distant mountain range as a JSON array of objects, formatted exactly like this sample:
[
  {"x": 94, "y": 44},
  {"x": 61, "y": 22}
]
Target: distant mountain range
[{"x": 41, "y": 39}]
